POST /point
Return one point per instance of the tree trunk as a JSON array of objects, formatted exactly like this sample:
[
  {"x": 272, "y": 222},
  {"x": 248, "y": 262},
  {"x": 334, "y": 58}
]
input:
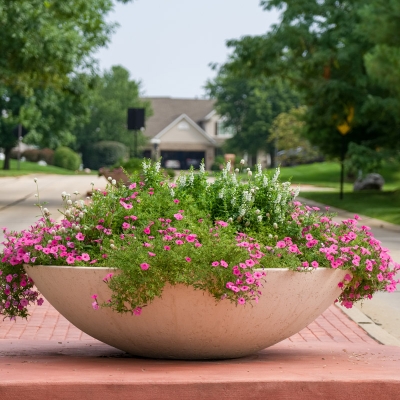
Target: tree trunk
[{"x": 7, "y": 158}]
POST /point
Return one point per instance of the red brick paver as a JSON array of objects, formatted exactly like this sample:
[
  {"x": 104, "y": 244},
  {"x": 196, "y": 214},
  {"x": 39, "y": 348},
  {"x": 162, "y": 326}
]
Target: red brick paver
[{"x": 45, "y": 323}]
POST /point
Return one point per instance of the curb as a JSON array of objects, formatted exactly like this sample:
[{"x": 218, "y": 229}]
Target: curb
[
  {"x": 373, "y": 222},
  {"x": 369, "y": 326}
]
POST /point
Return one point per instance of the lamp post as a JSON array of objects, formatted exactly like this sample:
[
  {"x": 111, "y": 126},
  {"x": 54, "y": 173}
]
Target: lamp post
[
  {"x": 155, "y": 142},
  {"x": 344, "y": 128}
]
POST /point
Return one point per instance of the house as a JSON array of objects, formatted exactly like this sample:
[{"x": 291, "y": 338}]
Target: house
[{"x": 184, "y": 131}]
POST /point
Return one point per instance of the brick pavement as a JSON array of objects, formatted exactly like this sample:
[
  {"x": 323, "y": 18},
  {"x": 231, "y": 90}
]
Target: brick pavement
[{"x": 45, "y": 323}]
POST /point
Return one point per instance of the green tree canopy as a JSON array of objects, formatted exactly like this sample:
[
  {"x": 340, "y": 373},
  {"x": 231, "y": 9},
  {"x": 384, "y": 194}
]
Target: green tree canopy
[
  {"x": 249, "y": 106},
  {"x": 317, "y": 47},
  {"x": 114, "y": 93},
  {"x": 42, "y": 41}
]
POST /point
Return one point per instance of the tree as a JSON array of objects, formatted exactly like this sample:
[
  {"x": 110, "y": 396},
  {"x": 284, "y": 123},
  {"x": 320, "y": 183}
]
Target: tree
[
  {"x": 114, "y": 93},
  {"x": 45, "y": 47},
  {"x": 380, "y": 22},
  {"x": 249, "y": 106},
  {"x": 41, "y": 42},
  {"x": 318, "y": 49}
]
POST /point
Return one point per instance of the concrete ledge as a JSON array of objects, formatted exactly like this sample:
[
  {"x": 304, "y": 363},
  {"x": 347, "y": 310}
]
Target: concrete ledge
[
  {"x": 41, "y": 370},
  {"x": 369, "y": 326}
]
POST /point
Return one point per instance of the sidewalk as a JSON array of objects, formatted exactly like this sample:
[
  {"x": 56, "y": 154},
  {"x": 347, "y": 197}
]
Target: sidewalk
[{"x": 46, "y": 357}]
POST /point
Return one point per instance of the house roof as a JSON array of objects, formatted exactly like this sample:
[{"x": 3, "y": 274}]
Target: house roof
[
  {"x": 166, "y": 110},
  {"x": 191, "y": 122}
]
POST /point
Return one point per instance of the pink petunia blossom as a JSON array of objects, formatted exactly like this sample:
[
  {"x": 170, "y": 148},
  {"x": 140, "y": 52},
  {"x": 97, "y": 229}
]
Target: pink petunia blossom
[
  {"x": 79, "y": 236},
  {"x": 178, "y": 216},
  {"x": 188, "y": 259},
  {"x": 167, "y": 248},
  {"x": 241, "y": 300},
  {"x": 151, "y": 254},
  {"x": 215, "y": 264},
  {"x": 85, "y": 257},
  {"x": 314, "y": 264},
  {"x": 144, "y": 266}
]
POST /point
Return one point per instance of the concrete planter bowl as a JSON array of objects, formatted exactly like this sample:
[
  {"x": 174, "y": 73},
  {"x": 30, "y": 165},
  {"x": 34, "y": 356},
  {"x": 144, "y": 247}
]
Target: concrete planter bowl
[{"x": 186, "y": 323}]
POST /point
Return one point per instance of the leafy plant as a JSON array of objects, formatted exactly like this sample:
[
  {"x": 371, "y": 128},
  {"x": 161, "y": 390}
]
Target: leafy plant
[{"x": 218, "y": 237}]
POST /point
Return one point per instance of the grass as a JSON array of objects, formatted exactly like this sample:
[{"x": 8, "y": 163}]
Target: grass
[
  {"x": 383, "y": 205},
  {"x": 327, "y": 174},
  {"x": 27, "y": 168}
]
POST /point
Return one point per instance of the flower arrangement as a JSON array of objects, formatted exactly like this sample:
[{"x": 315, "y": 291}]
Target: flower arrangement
[{"x": 219, "y": 236}]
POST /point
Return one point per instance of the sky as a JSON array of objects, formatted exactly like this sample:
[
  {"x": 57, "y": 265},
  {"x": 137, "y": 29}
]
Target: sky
[{"x": 169, "y": 44}]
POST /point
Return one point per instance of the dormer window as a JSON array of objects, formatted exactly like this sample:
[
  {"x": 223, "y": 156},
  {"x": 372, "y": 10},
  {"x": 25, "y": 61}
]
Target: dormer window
[{"x": 183, "y": 126}]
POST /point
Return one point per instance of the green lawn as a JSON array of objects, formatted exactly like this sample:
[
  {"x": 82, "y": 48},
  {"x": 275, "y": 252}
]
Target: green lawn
[
  {"x": 328, "y": 174},
  {"x": 27, "y": 168},
  {"x": 381, "y": 205}
]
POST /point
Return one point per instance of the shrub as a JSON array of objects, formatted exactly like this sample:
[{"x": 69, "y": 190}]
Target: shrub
[
  {"x": 46, "y": 155},
  {"x": 105, "y": 154},
  {"x": 65, "y": 157},
  {"x": 32, "y": 155}
]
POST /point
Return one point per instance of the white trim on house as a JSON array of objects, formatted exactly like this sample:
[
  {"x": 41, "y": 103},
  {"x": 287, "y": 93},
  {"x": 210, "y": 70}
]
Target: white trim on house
[
  {"x": 191, "y": 122},
  {"x": 209, "y": 115}
]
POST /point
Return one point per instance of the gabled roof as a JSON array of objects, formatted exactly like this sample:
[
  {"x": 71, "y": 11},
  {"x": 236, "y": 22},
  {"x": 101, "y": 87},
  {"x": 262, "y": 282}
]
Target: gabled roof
[
  {"x": 191, "y": 122},
  {"x": 166, "y": 110}
]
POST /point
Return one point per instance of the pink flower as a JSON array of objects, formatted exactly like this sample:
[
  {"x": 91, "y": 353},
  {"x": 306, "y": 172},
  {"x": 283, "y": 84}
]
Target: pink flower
[
  {"x": 198, "y": 244},
  {"x": 176, "y": 201},
  {"x": 178, "y": 216},
  {"x": 70, "y": 260},
  {"x": 281, "y": 244},
  {"x": 94, "y": 296},
  {"x": 9, "y": 278},
  {"x": 93, "y": 262},
  {"x": 215, "y": 263},
  {"x": 179, "y": 242},
  {"x": 380, "y": 277},
  {"x": 145, "y": 244},
  {"x": 314, "y": 264},
  {"x": 144, "y": 266},
  {"x": 147, "y": 230},
  {"x": 188, "y": 259},
  {"x": 85, "y": 257},
  {"x": 125, "y": 225},
  {"x": 191, "y": 238},
  {"x": 151, "y": 254},
  {"x": 222, "y": 223},
  {"x": 95, "y": 305},
  {"x": 250, "y": 263},
  {"x": 241, "y": 300},
  {"x": 132, "y": 186},
  {"x": 224, "y": 263},
  {"x": 79, "y": 236},
  {"x": 167, "y": 248},
  {"x": 347, "y": 277},
  {"x": 137, "y": 311}
]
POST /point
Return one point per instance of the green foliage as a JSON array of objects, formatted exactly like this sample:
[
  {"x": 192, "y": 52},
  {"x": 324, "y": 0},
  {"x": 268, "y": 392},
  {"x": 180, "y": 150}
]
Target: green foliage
[
  {"x": 215, "y": 237},
  {"x": 249, "y": 106},
  {"x": 105, "y": 154},
  {"x": 318, "y": 48},
  {"x": 361, "y": 160},
  {"x": 287, "y": 133},
  {"x": 46, "y": 67},
  {"x": 65, "y": 157},
  {"x": 42, "y": 42},
  {"x": 380, "y": 24},
  {"x": 114, "y": 93}
]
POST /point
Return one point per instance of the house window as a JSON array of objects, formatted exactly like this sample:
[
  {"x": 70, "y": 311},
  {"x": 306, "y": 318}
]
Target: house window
[{"x": 183, "y": 126}]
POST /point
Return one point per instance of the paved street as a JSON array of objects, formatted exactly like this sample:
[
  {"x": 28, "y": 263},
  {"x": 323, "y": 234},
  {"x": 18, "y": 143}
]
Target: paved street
[{"x": 17, "y": 196}]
